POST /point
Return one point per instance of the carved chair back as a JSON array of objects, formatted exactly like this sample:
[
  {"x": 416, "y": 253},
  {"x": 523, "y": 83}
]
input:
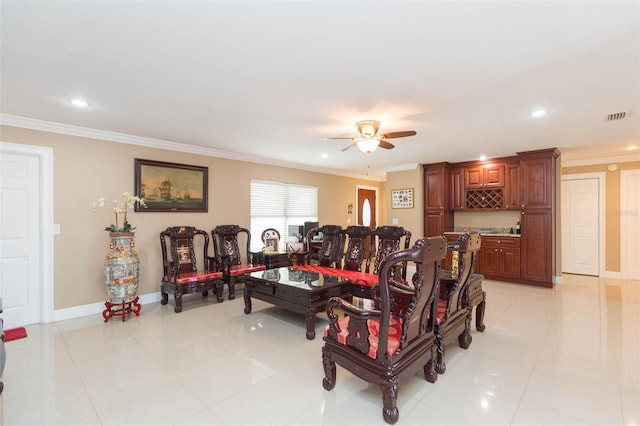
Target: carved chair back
[
  {"x": 226, "y": 242},
  {"x": 330, "y": 253},
  {"x": 360, "y": 247},
  {"x": 389, "y": 344},
  {"x": 388, "y": 240},
  {"x": 457, "y": 279},
  {"x": 180, "y": 255}
]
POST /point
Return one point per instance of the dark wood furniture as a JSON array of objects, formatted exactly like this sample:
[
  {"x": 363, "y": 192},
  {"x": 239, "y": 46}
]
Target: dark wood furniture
[
  {"x": 331, "y": 250},
  {"x": 295, "y": 290},
  {"x": 360, "y": 248},
  {"x": 499, "y": 257},
  {"x": 180, "y": 273},
  {"x": 454, "y": 306},
  {"x": 526, "y": 182},
  {"x": 438, "y": 215},
  {"x": 387, "y": 239},
  {"x": 387, "y": 345},
  {"x": 270, "y": 260},
  {"x": 235, "y": 263}
]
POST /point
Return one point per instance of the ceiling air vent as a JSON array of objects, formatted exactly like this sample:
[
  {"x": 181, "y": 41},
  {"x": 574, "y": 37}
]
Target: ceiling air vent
[{"x": 616, "y": 116}]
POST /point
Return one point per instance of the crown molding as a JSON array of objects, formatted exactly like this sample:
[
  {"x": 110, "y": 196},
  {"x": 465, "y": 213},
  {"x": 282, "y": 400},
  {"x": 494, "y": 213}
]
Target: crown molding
[
  {"x": 66, "y": 129},
  {"x": 402, "y": 168},
  {"x": 601, "y": 160}
]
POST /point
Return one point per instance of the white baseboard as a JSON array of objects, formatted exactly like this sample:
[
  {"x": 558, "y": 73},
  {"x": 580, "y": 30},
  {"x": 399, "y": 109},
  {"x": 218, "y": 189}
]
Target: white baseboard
[{"x": 96, "y": 308}]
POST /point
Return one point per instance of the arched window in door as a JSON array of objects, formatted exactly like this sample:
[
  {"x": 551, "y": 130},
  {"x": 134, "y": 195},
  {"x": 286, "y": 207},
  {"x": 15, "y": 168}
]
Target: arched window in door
[{"x": 366, "y": 213}]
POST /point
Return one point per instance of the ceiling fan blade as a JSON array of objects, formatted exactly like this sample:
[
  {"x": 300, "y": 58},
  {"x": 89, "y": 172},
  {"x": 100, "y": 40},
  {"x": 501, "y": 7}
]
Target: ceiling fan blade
[
  {"x": 348, "y": 139},
  {"x": 350, "y": 146},
  {"x": 403, "y": 134},
  {"x": 385, "y": 144}
]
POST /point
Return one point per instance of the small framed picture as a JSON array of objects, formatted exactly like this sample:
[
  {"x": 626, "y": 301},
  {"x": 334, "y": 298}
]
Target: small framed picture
[
  {"x": 402, "y": 198},
  {"x": 271, "y": 245}
]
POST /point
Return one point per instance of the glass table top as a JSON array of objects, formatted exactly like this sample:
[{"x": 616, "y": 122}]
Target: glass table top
[{"x": 296, "y": 278}]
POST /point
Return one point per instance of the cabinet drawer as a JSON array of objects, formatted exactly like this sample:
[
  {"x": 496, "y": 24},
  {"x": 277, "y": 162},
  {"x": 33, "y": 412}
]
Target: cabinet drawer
[{"x": 500, "y": 242}]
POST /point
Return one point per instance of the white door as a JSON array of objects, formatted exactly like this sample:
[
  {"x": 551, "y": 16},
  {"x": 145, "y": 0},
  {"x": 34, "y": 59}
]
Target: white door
[
  {"x": 580, "y": 225},
  {"x": 630, "y": 223},
  {"x": 20, "y": 261}
]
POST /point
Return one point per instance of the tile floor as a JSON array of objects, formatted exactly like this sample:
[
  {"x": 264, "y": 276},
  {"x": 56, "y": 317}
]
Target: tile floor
[{"x": 563, "y": 356}]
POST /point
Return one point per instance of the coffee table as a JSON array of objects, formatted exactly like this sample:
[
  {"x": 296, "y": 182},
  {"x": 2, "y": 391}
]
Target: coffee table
[{"x": 298, "y": 291}]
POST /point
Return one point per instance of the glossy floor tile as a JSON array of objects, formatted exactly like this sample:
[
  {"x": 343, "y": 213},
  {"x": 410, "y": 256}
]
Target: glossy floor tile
[{"x": 563, "y": 356}]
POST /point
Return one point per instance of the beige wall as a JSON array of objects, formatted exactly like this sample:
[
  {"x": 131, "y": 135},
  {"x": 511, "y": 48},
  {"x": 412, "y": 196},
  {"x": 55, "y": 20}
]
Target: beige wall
[
  {"x": 86, "y": 169},
  {"x": 612, "y": 207},
  {"x": 410, "y": 219}
]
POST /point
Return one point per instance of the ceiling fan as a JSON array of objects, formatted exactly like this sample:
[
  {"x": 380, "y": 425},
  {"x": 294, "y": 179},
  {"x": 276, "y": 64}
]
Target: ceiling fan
[{"x": 370, "y": 140}]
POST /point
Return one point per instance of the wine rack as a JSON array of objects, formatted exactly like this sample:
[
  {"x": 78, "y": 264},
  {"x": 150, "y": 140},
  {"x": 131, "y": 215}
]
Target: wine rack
[{"x": 484, "y": 199}]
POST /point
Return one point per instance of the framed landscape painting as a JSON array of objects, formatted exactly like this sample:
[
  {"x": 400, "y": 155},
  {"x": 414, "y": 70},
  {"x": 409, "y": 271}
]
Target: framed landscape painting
[{"x": 171, "y": 187}]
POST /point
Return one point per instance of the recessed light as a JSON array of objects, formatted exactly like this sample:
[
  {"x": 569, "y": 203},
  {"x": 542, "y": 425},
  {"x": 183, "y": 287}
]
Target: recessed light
[
  {"x": 631, "y": 147},
  {"x": 483, "y": 157},
  {"x": 325, "y": 155},
  {"x": 80, "y": 103},
  {"x": 539, "y": 113}
]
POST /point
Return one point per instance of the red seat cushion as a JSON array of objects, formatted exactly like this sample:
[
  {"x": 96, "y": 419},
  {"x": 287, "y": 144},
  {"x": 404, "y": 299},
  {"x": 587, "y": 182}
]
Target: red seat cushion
[
  {"x": 245, "y": 269},
  {"x": 395, "y": 330},
  {"x": 191, "y": 277},
  {"x": 442, "y": 308}
]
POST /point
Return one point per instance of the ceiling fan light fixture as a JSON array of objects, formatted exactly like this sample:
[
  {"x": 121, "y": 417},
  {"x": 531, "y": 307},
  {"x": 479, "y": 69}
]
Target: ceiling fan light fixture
[
  {"x": 368, "y": 128},
  {"x": 368, "y": 145}
]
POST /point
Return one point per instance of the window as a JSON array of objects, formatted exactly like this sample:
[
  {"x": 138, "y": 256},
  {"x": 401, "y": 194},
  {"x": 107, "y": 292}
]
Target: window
[{"x": 278, "y": 205}]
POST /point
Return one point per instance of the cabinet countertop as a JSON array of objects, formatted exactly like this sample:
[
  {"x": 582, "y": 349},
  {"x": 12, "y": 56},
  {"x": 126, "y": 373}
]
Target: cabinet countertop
[{"x": 486, "y": 235}]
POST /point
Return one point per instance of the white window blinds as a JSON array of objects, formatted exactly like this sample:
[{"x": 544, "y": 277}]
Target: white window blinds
[{"x": 278, "y": 205}]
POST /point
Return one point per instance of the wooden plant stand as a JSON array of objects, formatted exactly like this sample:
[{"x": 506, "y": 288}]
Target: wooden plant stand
[{"x": 123, "y": 309}]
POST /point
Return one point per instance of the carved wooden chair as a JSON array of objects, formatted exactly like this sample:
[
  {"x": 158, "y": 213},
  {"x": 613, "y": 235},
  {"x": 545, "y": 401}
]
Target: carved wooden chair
[
  {"x": 181, "y": 274},
  {"x": 330, "y": 253},
  {"x": 392, "y": 343},
  {"x": 360, "y": 248},
  {"x": 388, "y": 240},
  {"x": 235, "y": 263},
  {"x": 454, "y": 307}
]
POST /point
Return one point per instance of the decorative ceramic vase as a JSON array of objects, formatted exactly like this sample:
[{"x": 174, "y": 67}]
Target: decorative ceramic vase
[{"x": 121, "y": 270}]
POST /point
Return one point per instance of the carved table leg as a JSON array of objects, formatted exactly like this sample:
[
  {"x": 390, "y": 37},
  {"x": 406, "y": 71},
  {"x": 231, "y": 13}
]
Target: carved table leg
[
  {"x": 247, "y": 302},
  {"x": 311, "y": 324},
  {"x": 480, "y": 313}
]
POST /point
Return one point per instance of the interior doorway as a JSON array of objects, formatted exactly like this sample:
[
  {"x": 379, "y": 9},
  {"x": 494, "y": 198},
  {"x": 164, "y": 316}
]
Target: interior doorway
[
  {"x": 26, "y": 240},
  {"x": 367, "y": 210},
  {"x": 582, "y": 227}
]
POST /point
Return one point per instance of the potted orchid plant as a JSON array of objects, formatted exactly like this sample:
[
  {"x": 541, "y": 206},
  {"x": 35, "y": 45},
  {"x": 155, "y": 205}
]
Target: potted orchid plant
[{"x": 120, "y": 209}]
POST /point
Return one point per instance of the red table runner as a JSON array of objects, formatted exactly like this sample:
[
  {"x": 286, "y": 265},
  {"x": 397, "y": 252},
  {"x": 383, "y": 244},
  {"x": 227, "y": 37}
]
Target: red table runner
[{"x": 360, "y": 278}]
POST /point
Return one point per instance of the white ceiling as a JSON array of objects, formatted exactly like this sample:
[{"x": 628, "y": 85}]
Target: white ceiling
[{"x": 266, "y": 81}]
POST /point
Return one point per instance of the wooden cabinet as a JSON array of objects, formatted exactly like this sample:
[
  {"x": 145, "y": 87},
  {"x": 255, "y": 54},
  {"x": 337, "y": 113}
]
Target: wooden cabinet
[
  {"x": 456, "y": 188},
  {"x": 512, "y": 186},
  {"x": 537, "y": 246},
  {"x": 499, "y": 258},
  {"x": 484, "y": 176},
  {"x": 536, "y": 182},
  {"x": 525, "y": 182},
  {"x": 438, "y": 218}
]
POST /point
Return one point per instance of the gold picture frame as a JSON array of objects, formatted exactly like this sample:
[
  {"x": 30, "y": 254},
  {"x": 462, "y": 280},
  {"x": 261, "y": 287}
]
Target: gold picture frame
[
  {"x": 271, "y": 245},
  {"x": 402, "y": 198}
]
